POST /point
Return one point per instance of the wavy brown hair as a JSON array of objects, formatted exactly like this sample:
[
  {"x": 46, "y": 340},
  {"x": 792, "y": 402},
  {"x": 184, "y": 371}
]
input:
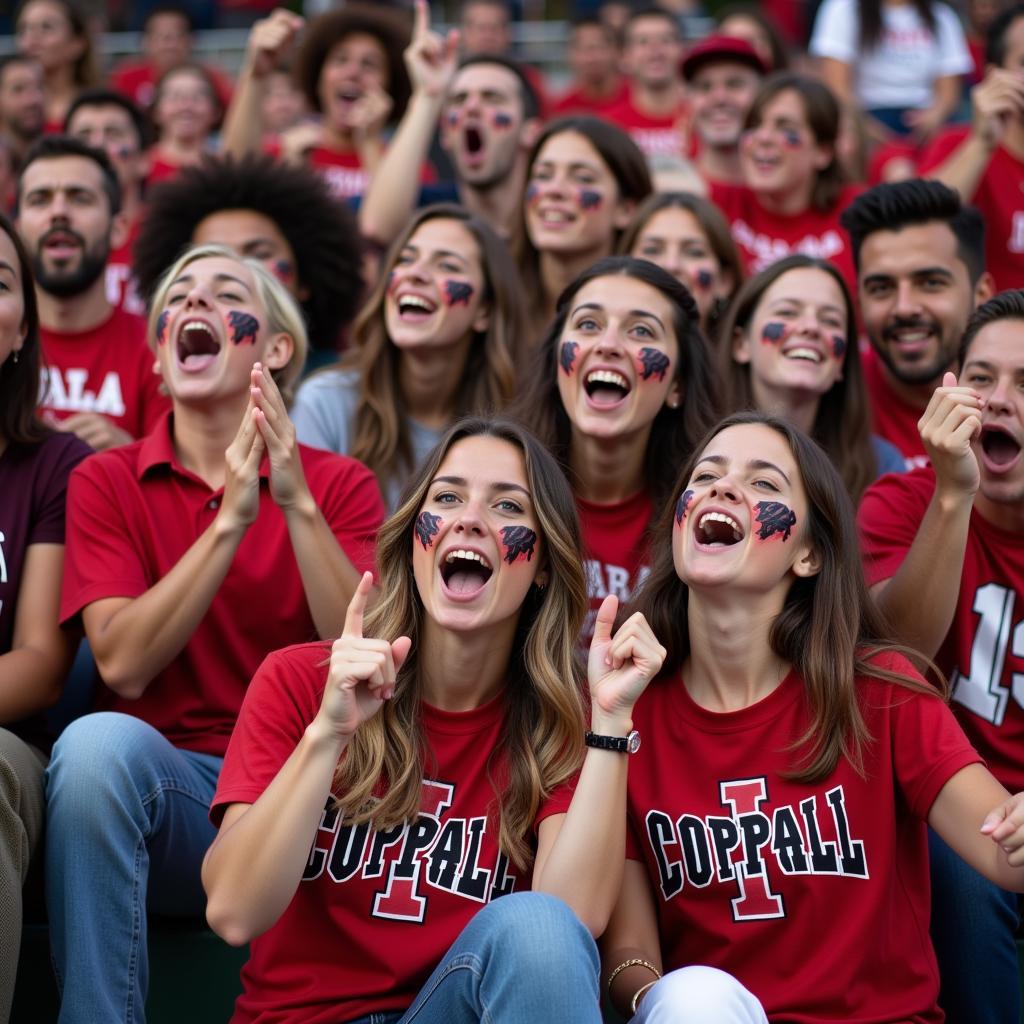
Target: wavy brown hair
[
  {"x": 486, "y": 381},
  {"x": 842, "y": 424},
  {"x": 830, "y": 629},
  {"x": 382, "y": 770}
]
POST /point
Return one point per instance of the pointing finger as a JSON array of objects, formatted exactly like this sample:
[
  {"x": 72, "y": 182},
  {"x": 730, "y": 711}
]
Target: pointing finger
[{"x": 357, "y": 606}]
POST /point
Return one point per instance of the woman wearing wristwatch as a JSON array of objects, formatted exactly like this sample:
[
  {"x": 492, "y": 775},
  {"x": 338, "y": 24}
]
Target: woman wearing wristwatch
[
  {"x": 378, "y": 796},
  {"x": 793, "y": 760}
]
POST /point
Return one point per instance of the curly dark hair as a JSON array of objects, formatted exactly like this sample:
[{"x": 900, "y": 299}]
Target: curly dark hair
[
  {"x": 322, "y": 34},
  {"x": 321, "y": 231}
]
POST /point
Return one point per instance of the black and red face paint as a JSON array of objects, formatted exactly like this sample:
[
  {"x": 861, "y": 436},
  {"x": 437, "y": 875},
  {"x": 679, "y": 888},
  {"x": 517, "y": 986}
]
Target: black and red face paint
[
  {"x": 704, "y": 279},
  {"x": 519, "y": 542},
  {"x": 161, "y": 326},
  {"x": 532, "y": 194},
  {"x": 427, "y": 528},
  {"x": 244, "y": 327},
  {"x": 774, "y": 518},
  {"x": 590, "y": 199},
  {"x": 653, "y": 363},
  {"x": 791, "y": 138},
  {"x": 284, "y": 271},
  {"x": 838, "y": 346},
  {"x": 774, "y": 332},
  {"x": 682, "y": 505},
  {"x": 567, "y": 356},
  {"x": 458, "y": 292},
  {"x": 502, "y": 120}
]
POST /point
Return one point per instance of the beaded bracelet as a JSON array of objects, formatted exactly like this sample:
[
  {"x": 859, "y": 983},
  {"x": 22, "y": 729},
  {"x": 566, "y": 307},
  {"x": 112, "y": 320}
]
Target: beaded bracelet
[{"x": 635, "y": 962}]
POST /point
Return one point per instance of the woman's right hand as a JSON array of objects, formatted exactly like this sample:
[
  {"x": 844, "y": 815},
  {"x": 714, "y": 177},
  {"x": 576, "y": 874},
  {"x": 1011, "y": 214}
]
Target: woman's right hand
[
  {"x": 430, "y": 59},
  {"x": 363, "y": 670},
  {"x": 270, "y": 38}
]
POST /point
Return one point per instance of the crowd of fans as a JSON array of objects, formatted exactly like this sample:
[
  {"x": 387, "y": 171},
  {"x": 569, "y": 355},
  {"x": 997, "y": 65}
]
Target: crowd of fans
[{"x": 443, "y": 486}]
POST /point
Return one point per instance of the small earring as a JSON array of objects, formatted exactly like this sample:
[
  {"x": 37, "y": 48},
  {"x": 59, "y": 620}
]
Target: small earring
[{"x": 16, "y": 354}]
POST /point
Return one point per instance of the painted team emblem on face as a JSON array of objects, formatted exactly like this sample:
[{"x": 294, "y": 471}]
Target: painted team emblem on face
[
  {"x": 458, "y": 292},
  {"x": 161, "y": 326},
  {"x": 703, "y": 279},
  {"x": 653, "y": 363},
  {"x": 453, "y": 117},
  {"x": 532, "y": 194},
  {"x": 838, "y": 346},
  {"x": 284, "y": 271},
  {"x": 682, "y": 505},
  {"x": 392, "y": 281},
  {"x": 519, "y": 542},
  {"x": 427, "y": 528},
  {"x": 774, "y": 518},
  {"x": 773, "y": 332},
  {"x": 792, "y": 139},
  {"x": 590, "y": 199},
  {"x": 567, "y": 356},
  {"x": 502, "y": 120},
  {"x": 244, "y": 327}
]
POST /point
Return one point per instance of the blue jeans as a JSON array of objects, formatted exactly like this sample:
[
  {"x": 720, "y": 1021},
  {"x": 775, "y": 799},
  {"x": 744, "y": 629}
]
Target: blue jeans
[
  {"x": 974, "y": 925},
  {"x": 522, "y": 959},
  {"x": 127, "y": 827}
]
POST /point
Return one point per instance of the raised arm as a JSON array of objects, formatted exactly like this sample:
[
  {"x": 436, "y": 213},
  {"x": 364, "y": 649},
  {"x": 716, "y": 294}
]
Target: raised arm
[
  {"x": 920, "y": 599},
  {"x": 580, "y": 854},
  {"x": 255, "y": 864},
  {"x": 391, "y": 197}
]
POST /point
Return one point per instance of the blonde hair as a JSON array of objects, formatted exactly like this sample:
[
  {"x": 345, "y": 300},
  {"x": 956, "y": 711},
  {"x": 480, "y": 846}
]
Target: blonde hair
[
  {"x": 283, "y": 315},
  {"x": 381, "y": 773}
]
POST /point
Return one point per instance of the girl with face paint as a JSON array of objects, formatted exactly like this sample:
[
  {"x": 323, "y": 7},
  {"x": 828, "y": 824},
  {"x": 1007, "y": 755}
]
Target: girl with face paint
[
  {"x": 440, "y": 743},
  {"x": 620, "y": 389},
  {"x": 816, "y": 758},
  {"x": 186, "y": 110},
  {"x": 435, "y": 341},
  {"x": 687, "y": 236},
  {"x": 789, "y": 348},
  {"x": 585, "y": 177},
  {"x": 794, "y": 189}
]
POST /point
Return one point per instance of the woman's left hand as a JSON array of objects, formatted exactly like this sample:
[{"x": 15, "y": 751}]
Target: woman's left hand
[
  {"x": 620, "y": 666},
  {"x": 1005, "y": 826},
  {"x": 288, "y": 485}
]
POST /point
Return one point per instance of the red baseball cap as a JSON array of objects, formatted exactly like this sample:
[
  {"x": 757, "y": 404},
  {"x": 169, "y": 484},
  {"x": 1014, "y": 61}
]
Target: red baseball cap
[{"x": 721, "y": 48}]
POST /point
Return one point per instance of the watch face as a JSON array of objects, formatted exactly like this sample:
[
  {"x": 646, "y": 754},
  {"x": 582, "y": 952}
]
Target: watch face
[{"x": 633, "y": 742}]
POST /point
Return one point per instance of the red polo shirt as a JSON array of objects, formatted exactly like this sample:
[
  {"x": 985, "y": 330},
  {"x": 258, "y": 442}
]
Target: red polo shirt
[{"x": 134, "y": 511}]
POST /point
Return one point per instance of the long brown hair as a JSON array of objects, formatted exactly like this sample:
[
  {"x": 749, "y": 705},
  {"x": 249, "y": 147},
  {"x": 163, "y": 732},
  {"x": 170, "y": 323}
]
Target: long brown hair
[
  {"x": 19, "y": 380},
  {"x": 543, "y": 734},
  {"x": 822, "y": 111},
  {"x": 487, "y": 383},
  {"x": 674, "y": 431},
  {"x": 830, "y": 629},
  {"x": 842, "y": 424}
]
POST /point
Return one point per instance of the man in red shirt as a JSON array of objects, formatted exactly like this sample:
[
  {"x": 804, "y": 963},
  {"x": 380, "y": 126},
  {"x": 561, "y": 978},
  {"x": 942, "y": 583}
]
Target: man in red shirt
[
  {"x": 597, "y": 85},
  {"x": 920, "y": 264},
  {"x": 944, "y": 553},
  {"x": 99, "y": 380},
  {"x": 655, "y": 112},
  {"x": 985, "y": 162},
  {"x": 192, "y": 554}
]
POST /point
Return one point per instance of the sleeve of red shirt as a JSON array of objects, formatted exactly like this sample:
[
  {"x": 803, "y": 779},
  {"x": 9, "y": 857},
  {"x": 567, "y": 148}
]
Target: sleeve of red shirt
[
  {"x": 100, "y": 559},
  {"x": 940, "y": 149},
  {"x": 349, "y": 498},
  {"x": 889, "y": 515},
  {"x": 282, "y": 699}
]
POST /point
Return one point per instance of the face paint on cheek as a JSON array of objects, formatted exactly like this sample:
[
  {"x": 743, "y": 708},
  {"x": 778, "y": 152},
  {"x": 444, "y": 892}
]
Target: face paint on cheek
[
  {"x": 427, "y": 528},
  {"x": 458, "y": 292},
  {"x": 703, "y": 279},
  {"x": 532, "y": 195},
  {"x": 502, "y": 120},
  {"x": 838, "y": 346},
  {"x": 243, "y": 327},
  {"x": 567, "y": 356},
  {"x": 652, "y": 362},
  {"x": 453, "y": 117},
  {"x": 392, "y": 282},
  {"x": 518, "y": 542},
  {"x": 590, "y": 199},
  {"x": 682, "y": 505},
  {"x": 774, "y": 332},
  {"x": 161, "y": 326},
  {"x": 775, "y": 518},
  {"x": 284, "y": 271},
  {"x": 791, "y": 139}
]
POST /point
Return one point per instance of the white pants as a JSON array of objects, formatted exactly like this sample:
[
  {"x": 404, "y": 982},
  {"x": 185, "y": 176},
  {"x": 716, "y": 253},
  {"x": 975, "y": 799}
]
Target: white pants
[{"x": 699, "y": 995}]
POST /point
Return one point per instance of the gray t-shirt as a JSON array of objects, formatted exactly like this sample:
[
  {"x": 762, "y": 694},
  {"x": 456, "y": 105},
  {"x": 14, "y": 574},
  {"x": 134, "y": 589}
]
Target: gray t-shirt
[{"x": 324, "y": 415}]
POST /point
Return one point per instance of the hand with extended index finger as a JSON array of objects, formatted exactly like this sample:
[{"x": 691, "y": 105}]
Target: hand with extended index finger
[
  {"x": 430, "y": 59},
  {"x": 363, "y": 671},
  {"x": 949, "y": 425},
  {"x": 619, "y": 667}
]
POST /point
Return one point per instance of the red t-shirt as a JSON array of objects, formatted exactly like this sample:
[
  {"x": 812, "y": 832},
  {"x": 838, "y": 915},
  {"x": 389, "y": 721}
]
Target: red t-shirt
[
  {"x": 893, "y": 418},
  {"x": 107, "y": 369},
  {"x": 134, "y": 511},
  {"x": 616, "y": 553},
  {"x": 137, "y": 81},
  {"x": 1000, "y": 198},
  {"x": 656, "y": 136},
  {"x": 122, "y": 289},
  {"x": 764, "y": 237},
  {"x": 814, "y": 895},
  {"x": 983, "y": 653},
  {"x": 576, "y": 101},
  {"x": 375, "y": 911}
]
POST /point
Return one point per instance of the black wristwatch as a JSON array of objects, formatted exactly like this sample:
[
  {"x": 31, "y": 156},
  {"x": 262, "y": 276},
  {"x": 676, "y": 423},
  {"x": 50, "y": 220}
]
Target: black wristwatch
[{"x": 620, "y": 744}]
